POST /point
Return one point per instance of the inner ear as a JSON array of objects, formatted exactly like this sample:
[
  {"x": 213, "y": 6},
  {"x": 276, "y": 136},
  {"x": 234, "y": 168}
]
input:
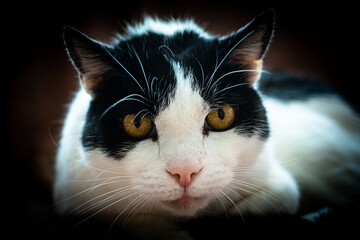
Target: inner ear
[
  {"x": 91, "y": 59},
  {"x": 249, "y": 45}
]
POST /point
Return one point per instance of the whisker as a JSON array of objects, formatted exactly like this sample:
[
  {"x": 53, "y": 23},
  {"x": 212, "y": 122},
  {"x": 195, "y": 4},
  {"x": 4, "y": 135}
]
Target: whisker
[
  {"x": 232, "y": 86},
  {"x": 267, "y": 196},
  {"x": 167, "y": 47},
  {"x": 87, "y": 190},
  {"x": 102, "y": 209},
  {"x": 100, "y": 202},
  {"x": 233, "y": 72},
  {"x": 227, "y": 54},
  {"x": 94, "y": 180},
  {"x": 52, "y": 139},
  {"x": 124, "y": 209},
  {"x": 256, "y": 190},
  {"x": 142, "y": 68},
  {"x": 244, "y": 198},
  {"x": 98, "y": 169},
  {"x": 202, "y": 73},
  {"x": 97, "y": 197},
  {"x": 143, "y": 110},
  {"x": 218, "y": 196},
  {"x": 134, "y": 207},
  {"x": 233, "y": 204},
  {"x": 151, "y": 86},
  {"x": 226, "y": 74},
  {"x": 127, "y": 98},
  {"x": 122, "y": 66}
]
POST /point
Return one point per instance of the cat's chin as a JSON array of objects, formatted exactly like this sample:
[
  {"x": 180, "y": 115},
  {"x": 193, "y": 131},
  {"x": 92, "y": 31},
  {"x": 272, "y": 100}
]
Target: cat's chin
[{"x": 185, "y": 205}]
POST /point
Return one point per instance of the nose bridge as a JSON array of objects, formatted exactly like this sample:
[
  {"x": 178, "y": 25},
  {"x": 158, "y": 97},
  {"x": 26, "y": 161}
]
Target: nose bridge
[
  {"x": 179, "y": 125},
  {"x": 180, "y": 137},
  {"x": 184, "y": 150},
  {"x": 183, "y": 157}
]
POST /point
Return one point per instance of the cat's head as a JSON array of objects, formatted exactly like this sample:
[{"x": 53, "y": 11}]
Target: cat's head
[{"x": 174, "y": 114}]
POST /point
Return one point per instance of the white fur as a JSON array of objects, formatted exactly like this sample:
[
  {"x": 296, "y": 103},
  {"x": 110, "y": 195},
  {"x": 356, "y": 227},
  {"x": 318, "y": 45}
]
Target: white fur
[
  {"x": 167, "y": 28},
  {"x": 318, "y": 141}
]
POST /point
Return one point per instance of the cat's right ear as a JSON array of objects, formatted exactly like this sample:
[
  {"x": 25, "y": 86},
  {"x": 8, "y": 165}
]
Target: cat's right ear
[{"x": 91, "y": 59}]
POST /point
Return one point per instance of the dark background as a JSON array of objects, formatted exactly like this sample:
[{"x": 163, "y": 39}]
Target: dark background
[{"x": 38, "y": 80}]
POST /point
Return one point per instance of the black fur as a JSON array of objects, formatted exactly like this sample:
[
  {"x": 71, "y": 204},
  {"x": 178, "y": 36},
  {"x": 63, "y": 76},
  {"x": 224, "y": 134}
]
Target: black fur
[{"x": 287, "y": 87}]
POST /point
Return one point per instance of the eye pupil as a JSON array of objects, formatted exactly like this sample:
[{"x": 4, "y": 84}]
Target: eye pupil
[
  {"x": 137, "y": 126},
  {"x": 221, "y": 119},
  {"x": 137, "y": 122},
  {"x": 221, "y": 114}
]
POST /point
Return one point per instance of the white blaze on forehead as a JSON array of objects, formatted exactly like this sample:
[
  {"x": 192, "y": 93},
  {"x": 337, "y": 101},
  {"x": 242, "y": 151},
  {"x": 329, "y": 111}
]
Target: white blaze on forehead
[
  {"x": 187, "y": 109},
  {"x": 180, "y": 124}
]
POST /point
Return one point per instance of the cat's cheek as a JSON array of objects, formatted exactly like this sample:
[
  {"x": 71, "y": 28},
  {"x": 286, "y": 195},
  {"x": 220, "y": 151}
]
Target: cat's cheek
[
  {"x": 144, "y": 155},
  {"x": 219, "y": 147},
  {"x": 231, "y": 149}
]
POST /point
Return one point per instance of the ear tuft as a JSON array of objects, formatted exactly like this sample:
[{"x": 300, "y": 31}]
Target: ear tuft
[{"x": 89, "y": 57}]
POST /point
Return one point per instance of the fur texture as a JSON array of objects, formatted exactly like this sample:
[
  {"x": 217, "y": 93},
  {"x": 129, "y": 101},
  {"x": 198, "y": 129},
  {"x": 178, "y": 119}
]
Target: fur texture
[{"x": 277, "y": 153}]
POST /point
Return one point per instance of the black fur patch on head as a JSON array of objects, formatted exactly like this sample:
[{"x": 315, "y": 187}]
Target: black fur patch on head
[{"x": 142, "y": 83}]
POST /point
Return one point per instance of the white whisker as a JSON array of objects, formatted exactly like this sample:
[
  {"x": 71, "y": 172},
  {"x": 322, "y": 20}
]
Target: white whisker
[
  {"x": 244, "y": 198},
  {"x": 122, "y": 66},
  {"x": 151, "y": 86},
  {"x": 167, "y": 47},
  {"x": 256, "y": 191},
  {"x": 52, "y": 139},
  {"x": 143, "y": 110},
  {"x": 142, "y": 68},
  {"x": 218, "y": 196},
  {"x": 87, "y": 190},
  {"x": 127, "y": 98},
  {"x": 227, "y": 54},
  {"x": 97, "y": 197},
  {"x": 107, "y": 206},
  {"x": 232, "y": 86},
  {"x": 202, "y": 73},
  {"x": 233, "y": 72},
  {"x": 233, "y": 204},
  {"x": 134, "y": 204}
]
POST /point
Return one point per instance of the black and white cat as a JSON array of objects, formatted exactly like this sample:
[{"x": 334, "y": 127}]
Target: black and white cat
[{"x": 173, "y": 122}]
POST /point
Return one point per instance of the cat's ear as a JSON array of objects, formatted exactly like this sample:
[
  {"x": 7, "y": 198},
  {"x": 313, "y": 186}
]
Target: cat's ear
[
  {"x": 90, "y": 58},
  {"x": 248, "y": 45}
]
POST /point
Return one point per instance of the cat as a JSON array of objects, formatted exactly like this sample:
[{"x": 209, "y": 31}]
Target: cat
[{"x": 172, "y": 122}]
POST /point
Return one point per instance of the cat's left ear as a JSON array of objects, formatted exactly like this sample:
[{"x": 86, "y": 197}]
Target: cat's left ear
[
  {"x": 248, "y": 45},
  {"x": 91, "y": 58}
]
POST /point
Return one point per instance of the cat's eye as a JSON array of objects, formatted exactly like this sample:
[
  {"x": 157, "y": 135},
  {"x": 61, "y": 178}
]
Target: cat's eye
[
  {"x": 221, "y": 118},
  {"x": 137, "y": 126}
]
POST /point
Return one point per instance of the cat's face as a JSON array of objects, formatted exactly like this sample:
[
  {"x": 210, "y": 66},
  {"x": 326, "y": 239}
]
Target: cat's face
[{"x": 174, "y": 118}]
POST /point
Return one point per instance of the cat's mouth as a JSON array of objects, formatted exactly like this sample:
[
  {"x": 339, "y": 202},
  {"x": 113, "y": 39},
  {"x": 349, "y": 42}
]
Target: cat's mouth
[{"x": 185, "y": 202}]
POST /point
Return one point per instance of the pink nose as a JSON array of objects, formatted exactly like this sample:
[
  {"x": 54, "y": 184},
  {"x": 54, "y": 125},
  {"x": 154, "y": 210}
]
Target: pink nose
[{"x": 184, "y": 175}]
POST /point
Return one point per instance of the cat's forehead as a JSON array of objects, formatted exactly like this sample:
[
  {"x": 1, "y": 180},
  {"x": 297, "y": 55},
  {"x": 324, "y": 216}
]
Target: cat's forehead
[{"x": 187, "y": 108}]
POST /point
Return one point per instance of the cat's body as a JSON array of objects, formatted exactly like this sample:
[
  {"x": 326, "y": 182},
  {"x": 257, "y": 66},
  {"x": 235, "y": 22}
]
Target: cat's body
[{"x": 263, "y": 152}]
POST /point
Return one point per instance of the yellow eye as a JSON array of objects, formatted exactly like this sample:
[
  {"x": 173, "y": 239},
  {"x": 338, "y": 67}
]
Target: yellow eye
[
  {"x": 220, "y": 119},
  {"x": 137, "y": 126}
]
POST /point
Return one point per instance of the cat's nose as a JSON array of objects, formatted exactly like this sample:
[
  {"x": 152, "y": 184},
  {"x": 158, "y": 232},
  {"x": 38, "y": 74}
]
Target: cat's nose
[{"x": 184, "y": 175}]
